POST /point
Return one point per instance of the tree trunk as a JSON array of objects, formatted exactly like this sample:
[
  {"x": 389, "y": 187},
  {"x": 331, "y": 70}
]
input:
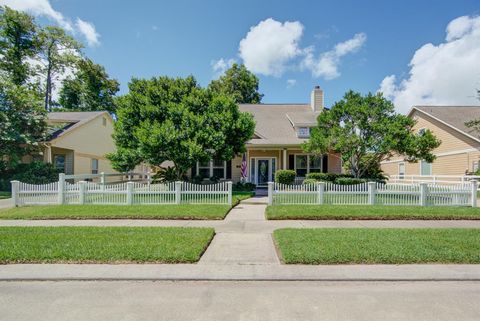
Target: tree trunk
[{"x": 48, "y": 89}]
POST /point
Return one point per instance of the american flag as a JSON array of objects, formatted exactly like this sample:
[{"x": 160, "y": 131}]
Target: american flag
[{"x": 243, "y": 168}]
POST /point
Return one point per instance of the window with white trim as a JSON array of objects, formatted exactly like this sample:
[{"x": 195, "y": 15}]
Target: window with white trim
[
  {"x": 59, "y": 162},
  {"x": 305, "y": 164},
  {"x": 425, "y": 168},
  {"x": 401, "y": 170},
  {"x": 94, "y": 166},
  {"x": 216, "y": 167},
  {"x": 303, "y": 132}
]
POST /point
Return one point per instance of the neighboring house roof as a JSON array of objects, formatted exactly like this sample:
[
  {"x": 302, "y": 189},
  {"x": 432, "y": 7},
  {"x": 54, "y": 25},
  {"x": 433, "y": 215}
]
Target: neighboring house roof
[
  {"x": 69, "y": 121},
  {"x": 453, "y": 116},
  {"x": 275, "y": 122}
]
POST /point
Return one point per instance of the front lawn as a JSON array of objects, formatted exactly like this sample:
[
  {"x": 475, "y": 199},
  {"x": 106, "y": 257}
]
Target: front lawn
[
  {"x": 369, "y": 212},
  {"x": 378, "y": 246},
  {"x": 182, "y": 212},
  {"x": 103, "y": 244}
]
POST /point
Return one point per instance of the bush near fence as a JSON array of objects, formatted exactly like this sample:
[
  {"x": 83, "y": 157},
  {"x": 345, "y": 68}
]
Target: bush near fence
[
  {"x": 374, "y": 193},
  {"x": 285, "y": 176}
]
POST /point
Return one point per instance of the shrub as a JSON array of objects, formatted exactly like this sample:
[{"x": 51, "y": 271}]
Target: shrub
[
  {"x": 197, "y": 179},
  {"x": 326, "y": 177},
  {"x": 349, "y": 181},
  {"x": 244, "y": 187},
  {"x": 309, "y": 181},
  {"x": 32, "y": 173},
  {"x": 214, "y": 179},
  {"x": 165, "y": 175},
  {"x": 285, "y": 176}
]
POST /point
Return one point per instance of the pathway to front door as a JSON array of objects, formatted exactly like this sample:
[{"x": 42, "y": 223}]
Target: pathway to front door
[{"x": 250, "y": 246}]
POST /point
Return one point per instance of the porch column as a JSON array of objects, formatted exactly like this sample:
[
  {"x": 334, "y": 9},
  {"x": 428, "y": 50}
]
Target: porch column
[{"x": 284, "y": 159}]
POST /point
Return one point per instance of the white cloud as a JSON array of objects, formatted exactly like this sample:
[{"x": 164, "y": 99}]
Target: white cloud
[
  {"x": 221, "y": 65},
  {"x": 39, "y": 8},
  {"x": 270, "y": 45},
  {"x": 291, "y": 83},
  {"x": 89, "y": 32},
  {"x": 444, "y": 74},
  {"x": 326, "y": 65},
  {"x": 44, "y": 8}
]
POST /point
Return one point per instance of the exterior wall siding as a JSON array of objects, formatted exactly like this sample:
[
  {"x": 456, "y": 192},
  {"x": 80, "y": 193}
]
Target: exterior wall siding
[{"x": 455, "y": 155}]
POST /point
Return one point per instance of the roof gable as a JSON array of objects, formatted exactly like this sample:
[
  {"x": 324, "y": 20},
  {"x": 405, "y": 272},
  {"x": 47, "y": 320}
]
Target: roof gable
[
  {"x": 70, "y": 121},
  {"x": 454, "y": 117}
]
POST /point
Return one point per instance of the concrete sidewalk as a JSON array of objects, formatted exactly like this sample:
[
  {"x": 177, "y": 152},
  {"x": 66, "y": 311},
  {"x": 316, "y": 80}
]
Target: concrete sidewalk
[{"x": 239, "y": 272}]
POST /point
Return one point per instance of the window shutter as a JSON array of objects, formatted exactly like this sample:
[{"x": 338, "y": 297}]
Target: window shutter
[
  {"x": 325, "y": 164},
  {"x": 291, "y": 162},
  {"x": 229, "y": 169}
]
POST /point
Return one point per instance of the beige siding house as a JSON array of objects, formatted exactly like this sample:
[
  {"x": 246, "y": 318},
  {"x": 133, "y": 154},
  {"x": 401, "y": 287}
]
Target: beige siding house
[
  {"x": 78, "y": 142},
  {"x": 459, "y": 152},
  {"x": 279, "y": 133}
]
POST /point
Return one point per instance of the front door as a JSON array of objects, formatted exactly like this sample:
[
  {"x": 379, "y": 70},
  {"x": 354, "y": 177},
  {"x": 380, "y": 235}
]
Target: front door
[{"x": 263, "y": 171}]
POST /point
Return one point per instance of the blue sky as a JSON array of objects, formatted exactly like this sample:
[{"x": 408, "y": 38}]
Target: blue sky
[{"x": 179, "y": 38}]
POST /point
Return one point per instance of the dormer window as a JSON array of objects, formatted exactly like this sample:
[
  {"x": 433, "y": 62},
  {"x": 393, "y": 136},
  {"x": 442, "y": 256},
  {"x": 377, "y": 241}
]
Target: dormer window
[{"x": 303, "y": 132}]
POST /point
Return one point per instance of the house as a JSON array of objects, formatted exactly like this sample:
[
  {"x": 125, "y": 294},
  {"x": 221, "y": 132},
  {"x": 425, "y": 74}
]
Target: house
[
  {"x": 459, "y": 151},
  {"x": 279, "y": 133},
  {"x": 78, "y": 142}
]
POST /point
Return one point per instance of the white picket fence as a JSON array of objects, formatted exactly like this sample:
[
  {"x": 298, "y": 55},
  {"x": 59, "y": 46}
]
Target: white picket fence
[
  {"x": 372, "y": 193},
  {"x": 126, "y": 193},
  {"x": 433, "y": 179}
]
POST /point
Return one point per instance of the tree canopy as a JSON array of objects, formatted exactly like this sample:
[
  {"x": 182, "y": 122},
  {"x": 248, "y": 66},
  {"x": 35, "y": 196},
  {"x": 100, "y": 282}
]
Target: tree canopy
[
  {"x": 175, "y": 119},
  {"x": 239, "y": 83},
  {"x": 18, "y": 44},
  {"x": 89, "y": 89},
  {"x": 366, "y": 128}
]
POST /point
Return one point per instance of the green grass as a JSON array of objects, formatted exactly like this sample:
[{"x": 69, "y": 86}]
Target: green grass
[
  {"x": 103, "y": 244},
  {"x": 378, "y": 246},
  {"x": 369, "y": 212},
  {"x": 171, "y": 212},
  {"x": 182, "y": 211},
  {"x": 4, "y": 195},
  {"x": 240, "y": 196}
]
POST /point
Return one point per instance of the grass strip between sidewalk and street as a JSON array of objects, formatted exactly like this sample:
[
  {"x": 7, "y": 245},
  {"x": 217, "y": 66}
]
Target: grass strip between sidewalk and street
[
  {"x": 103, "y": 244},
  {"x": 378, "y": 246},
  {"x": 369, "y": 212}
]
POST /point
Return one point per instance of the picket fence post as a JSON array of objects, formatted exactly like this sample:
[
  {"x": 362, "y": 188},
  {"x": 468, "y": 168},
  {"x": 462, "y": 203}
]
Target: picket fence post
[
  {"x": 473, "y": 197},
  {"x": 270, "y": 193},
  {"x": 130, "y": 193},
  {"x": 102, "y": 181},
  {"x": 178, "y": 192},
  {"x": 82, "y": 189},
  {"x": 372, "y": 190},
  {"x": 229, "y": 188},
  {"x": 61, "y": 188},
  {"x": 423, "y": 194},
  {"x": 15, "y": 190},
  {"x": 320, "y": 192}
]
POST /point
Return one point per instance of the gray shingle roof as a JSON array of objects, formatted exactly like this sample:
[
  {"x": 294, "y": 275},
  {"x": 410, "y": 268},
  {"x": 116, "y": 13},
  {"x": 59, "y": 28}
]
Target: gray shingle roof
[
  {"x": 274, "y": 122},
  {"x": 455, "y": 116}
]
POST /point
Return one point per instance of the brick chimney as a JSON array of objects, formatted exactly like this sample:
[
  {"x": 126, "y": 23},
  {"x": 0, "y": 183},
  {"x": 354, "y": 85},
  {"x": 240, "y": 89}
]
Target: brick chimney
[{"x": 316, "y": 99}]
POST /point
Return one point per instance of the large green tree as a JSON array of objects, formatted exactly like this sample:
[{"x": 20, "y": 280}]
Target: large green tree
[
  {"x": 22, "y": 123},
  {"x": 239, "y": 83},
  {"x": 59, "y": 52},
  {"x": 90, "y": 89},
  {"x": 175, "y": 119},
  {"x": 366, "y": 129},
  {"x": 18, "y": 44}
]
